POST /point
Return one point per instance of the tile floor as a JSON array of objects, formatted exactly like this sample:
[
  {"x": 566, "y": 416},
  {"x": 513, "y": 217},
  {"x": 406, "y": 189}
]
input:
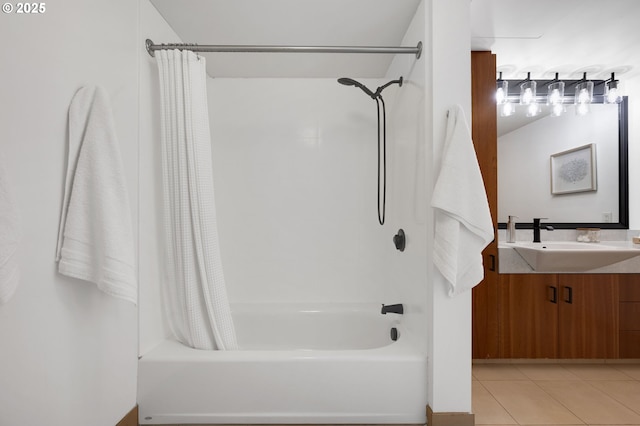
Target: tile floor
[{"x": 556, "y": 394}]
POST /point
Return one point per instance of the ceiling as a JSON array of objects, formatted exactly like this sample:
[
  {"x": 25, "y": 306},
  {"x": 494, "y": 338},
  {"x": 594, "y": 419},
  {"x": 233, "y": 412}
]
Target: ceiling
[
  {"x": 291, "y": 23},
  {"x": 542, "y": 36},
  {"x": 564, "y": 36}
]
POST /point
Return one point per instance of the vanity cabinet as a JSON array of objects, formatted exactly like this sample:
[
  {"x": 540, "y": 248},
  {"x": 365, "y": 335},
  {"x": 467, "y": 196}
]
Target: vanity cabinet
[{"x": 558, "y": 316}]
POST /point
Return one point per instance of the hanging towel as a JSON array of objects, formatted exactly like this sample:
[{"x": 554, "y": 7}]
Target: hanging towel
[
  {"x": 95, "y": 240},
  {"x": 463, "y": 225},
  {"x": 10, "y": 237}
]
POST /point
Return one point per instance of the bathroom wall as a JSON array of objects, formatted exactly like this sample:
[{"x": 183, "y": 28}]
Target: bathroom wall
[
  {"x": 408, "y": 201},
  {"x": 68, "y": 350},
  {"x": 295, "y": 180},
  {"x": 449, "y": 382},
  {"x": 632, "y": 89}
]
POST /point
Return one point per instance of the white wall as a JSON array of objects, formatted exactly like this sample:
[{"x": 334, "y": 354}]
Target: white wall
[
  {"x": 450, "y": 322},
  {"x": 524, "y": 168},
  {"x": 295, "y": 181},
  {"x": 408, "y": 202},
  {"x": 632, "y": 89},
  {"x": 68, "y": 350}
]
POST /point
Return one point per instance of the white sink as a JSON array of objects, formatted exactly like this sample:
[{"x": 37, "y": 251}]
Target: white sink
[{"x": 568, "y": 256}]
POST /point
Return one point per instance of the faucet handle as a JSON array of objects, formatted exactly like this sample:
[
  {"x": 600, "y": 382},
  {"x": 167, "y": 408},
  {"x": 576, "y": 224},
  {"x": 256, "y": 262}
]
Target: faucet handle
[{"x": 536, "y": 220}]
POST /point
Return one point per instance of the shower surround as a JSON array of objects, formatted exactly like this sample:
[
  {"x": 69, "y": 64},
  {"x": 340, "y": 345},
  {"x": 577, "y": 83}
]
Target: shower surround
[{"x": 294, "y": 163}]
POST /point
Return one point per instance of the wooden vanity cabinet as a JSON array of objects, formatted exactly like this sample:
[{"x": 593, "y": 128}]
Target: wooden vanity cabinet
[{"x": 558, "y": 316}]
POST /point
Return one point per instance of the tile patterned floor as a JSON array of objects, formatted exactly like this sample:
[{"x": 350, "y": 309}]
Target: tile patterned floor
[{"x": 556, "y": 394}]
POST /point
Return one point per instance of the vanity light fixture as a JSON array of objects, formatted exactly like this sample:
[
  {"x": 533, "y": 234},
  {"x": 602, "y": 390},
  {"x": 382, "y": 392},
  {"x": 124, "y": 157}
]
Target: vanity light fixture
[
  {"x": 521, "y": 94},
  {"x": 584, "y": 95},
  {"x": 611, "y": 91}
]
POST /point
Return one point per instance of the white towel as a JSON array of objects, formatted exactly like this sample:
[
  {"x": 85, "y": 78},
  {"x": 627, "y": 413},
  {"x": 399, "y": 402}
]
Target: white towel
[
  {"x": 463, "y": 225},
  {"x": 95, "y": 241},
  {"x": 10, "y": 237}
]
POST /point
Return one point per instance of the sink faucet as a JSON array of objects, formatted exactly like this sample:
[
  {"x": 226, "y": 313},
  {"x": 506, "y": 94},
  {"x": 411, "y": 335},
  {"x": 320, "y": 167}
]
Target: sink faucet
[
  {"x": 395, "y": 309},
  {"x": 537, "y": 227}
]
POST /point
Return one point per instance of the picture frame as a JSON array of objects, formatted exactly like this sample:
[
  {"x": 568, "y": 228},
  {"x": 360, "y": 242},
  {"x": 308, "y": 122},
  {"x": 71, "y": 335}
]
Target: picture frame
[{"x": 574, "y": 170}]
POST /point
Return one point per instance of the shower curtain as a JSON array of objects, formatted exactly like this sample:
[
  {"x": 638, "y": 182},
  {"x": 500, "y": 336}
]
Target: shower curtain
[{"x": 195, "y": 290}]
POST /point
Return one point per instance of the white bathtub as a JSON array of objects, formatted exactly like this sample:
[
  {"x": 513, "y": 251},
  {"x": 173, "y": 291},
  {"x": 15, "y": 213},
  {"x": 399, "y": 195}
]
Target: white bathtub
[{"x": 328, "y": 364}]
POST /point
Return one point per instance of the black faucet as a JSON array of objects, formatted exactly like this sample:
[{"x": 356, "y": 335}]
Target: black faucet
[
  {"x": 394, "y": 309},
  {"x": 537, "y": 227}
]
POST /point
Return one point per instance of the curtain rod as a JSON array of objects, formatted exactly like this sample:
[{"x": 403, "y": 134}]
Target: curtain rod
[{"x": 151, "y": 48}]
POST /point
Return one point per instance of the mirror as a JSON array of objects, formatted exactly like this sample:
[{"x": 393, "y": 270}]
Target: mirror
[{"x": 542, "y": 158}]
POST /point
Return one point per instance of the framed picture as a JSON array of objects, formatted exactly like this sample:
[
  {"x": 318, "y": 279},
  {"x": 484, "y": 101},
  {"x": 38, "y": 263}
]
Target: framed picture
[{"x": 574, "y": 170}]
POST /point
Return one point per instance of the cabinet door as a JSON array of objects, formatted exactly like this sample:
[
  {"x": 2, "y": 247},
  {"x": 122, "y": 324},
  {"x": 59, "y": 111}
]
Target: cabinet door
[
  {"x": 485, "y": 319},
  {"x": 588, "y": 316},
  {"x": 529, "y": 315}
]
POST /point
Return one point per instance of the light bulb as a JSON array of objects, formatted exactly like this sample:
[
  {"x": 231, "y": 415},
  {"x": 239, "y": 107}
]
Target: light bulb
[
  {"x": 582, "y": 109},
  {"x": 533, "y": 110},
  {"x": 613, "y": 95},
  {"x": 527, "y": 92},
  {"x": 583, "y": 96},
  {"x": 557, "y": 110},
  {"x": 502, "y": 91},
  {"x": 506, "y": 109}
]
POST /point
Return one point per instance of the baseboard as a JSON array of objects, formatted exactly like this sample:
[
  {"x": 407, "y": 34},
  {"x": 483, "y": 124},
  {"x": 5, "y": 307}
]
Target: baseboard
[
  {"x": 130, "y": 419},
  {"x": 449, "y": 419}
]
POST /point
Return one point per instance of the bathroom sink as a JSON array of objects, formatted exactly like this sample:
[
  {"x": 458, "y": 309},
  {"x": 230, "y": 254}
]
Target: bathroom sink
[{"x": 568, "y": 256}]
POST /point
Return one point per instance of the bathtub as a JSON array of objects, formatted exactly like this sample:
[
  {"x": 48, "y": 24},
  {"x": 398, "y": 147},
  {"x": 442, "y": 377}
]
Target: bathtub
[{"x": 323, "y": 364}]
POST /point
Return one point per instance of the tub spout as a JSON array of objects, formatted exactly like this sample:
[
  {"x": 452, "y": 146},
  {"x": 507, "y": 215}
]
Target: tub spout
[{"x": 395, "y": 309}]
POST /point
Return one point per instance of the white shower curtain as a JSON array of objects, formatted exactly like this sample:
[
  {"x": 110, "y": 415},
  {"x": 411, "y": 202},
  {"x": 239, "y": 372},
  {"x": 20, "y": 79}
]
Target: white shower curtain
[{"x": 195, "y": 289}]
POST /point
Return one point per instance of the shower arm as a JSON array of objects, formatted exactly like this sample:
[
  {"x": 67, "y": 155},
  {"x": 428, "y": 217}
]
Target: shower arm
[{"x": 381, "y": 88}]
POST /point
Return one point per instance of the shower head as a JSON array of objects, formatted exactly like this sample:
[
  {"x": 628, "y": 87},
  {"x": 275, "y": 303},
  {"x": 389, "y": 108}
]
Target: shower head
[{"x": 351, "y": 82}]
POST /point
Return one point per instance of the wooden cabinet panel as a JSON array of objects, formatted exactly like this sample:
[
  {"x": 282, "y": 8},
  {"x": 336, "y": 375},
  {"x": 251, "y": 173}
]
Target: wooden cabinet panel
[
  {"x": 528, "y": 316},
  {"x": 629, "y": 290},
  {"x": 630, "y": 316},
  {"x": 485, "y": 320},
  {"x": 630, "y": 344},
  {"x": 485, "y": 140},
  {"x": 629, "y": 287},
  {"x": 588, "y": 316},
  {"x": 484, "y": 123}
]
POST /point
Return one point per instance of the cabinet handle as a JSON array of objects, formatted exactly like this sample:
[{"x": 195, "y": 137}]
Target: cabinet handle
[
  {"x": 492, "y": 268},
  {"x": 569, "y": 298},
  {"x": 554, "y": 294}
]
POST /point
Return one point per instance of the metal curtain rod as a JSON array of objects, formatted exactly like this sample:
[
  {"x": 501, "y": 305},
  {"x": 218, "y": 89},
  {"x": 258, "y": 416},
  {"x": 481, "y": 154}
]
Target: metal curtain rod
[{"x": 284, "y": 49}]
